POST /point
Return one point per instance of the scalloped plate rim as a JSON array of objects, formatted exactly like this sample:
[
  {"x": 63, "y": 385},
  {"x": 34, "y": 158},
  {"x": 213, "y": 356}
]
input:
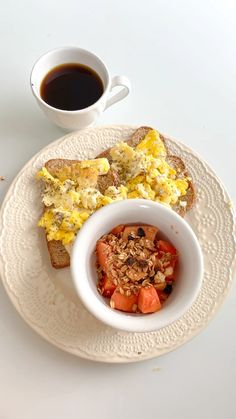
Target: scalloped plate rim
[{"x": 41, "y": 332}]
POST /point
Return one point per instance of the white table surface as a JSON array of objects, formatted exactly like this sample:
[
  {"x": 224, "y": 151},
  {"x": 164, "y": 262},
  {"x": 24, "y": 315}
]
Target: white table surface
[{"x": 181, "y": 59}]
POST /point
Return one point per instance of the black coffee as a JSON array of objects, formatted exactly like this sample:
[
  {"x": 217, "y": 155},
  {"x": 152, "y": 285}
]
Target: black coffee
[{"x": 71, "y": 87}]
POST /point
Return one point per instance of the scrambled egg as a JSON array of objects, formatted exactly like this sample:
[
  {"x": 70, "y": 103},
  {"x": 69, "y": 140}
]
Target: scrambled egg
[{"x": 71, "y": 194}]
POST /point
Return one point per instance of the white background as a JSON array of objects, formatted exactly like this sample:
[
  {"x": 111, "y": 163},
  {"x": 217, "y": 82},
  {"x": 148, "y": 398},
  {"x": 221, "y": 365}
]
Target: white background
[{"x": 181, "y": 59}]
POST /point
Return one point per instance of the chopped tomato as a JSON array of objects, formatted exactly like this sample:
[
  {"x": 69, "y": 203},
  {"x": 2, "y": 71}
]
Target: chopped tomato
[
  {"x": 166, "y": 247},
  {"x": 123, "y": 302},
  {"x": 148, "y": 300},
  {"x": 174, "y": 261},
  {"x": 149, "y": 232},
  {"x": 172, "y": 264},
  {"x": 107, "y": 286},
  {"x": 162, "y": 296},
  {"x": 118, "y": 229},
  {"x": 103, "y": 251}
]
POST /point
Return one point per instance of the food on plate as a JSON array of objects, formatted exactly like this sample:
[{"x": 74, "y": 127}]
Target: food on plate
[
  {"x": 136, "y": 269},
  {"x": 141, "y": 167}
]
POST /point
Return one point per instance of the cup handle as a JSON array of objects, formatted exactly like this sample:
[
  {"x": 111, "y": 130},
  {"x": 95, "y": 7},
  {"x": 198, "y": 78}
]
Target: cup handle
[{"x": 116, "y": 97}]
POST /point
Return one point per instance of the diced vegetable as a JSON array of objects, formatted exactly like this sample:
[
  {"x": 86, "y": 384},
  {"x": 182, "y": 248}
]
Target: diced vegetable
[
  {"x": 123, "y": 302},
  {"x": 118, "y": 229},
  {"x": 166, "y": 247},
  {"x": 148, "y": 300},
  {"x": 107, "y": 286},
  {"x": 103, "y": 251},
  {"x": 149, "y": 232},
  {"x": 162, "y": 296},
  {"x": 170, "y": 270}
]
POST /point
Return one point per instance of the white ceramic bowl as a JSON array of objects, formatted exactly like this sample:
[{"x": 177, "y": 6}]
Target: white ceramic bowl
[{"x": 173, "y": 227}]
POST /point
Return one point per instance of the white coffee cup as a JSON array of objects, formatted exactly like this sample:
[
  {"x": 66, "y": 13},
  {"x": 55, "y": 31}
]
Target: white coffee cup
[{"x": 82, "y": 118}]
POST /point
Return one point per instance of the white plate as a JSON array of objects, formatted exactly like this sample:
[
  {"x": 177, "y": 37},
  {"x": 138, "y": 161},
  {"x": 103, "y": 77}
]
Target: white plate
[{"x": 45, "y": 297}]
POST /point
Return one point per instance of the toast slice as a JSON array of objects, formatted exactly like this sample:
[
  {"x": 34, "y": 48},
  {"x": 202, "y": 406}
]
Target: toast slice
[{"x": 59, "y": 256}]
